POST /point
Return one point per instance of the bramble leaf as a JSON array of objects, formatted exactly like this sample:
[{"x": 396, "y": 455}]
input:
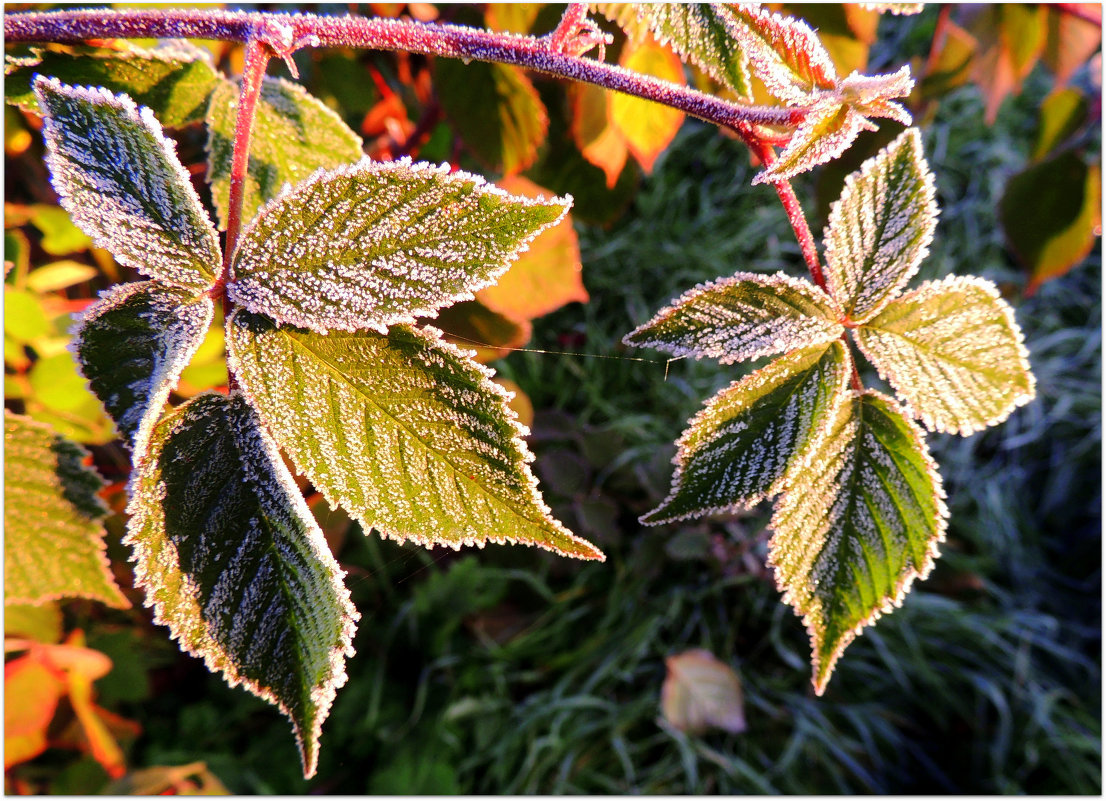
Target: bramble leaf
[
  {"x": 294, "y": 134},
  {"x": 880, "y": 228},
  {"x": 752, "y": 436},
  {"x": 232, "y": 561},
  {"x": 401, "y": 430},
  {"x": 496, "y": 111},
  {"x": 53, "y": 535},
  {"x": 953, "y": 352},
  {"x": 745, "y": 316},
  {"x": 857, "y": 525},
  {"x": 120, "y": 180},
  {"x": 373, "y": 244},
  {"x": 132, "y": 346},
  {"x": 175, "y": 80},
  {"x": 823, "y": 135},
  {"x": 700, "y": 33},
  {"x": 785, "y": 53}
]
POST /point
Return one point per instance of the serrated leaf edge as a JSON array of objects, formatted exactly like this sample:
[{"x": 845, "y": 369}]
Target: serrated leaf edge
[
  {"x": 910, "y": 138},
  {"x": 143, "y": 116},
  {"x": 800, "y": 285},
  {"x": 242, "y": 295},
  {"x": 435, "y": 338},
  {"x": 165, "y": 376},
  {"x": 953, "y": 283},
  {"x": 822, "y": 671},
  {"x": 322, "y": 695},
  {"x": 798, "y": 462}
]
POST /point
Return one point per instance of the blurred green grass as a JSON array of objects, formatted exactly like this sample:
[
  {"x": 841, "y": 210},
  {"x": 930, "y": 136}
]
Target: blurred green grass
[{"x": 510, "y": 671}]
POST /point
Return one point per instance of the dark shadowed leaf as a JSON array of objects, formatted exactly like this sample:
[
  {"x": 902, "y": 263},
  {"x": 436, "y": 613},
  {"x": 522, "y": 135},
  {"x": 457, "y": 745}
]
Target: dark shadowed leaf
[{"x": 232, "y": 561}]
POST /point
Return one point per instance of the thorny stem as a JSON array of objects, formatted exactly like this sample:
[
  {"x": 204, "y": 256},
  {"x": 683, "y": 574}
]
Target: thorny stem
[{"x": 451, "y": 41}]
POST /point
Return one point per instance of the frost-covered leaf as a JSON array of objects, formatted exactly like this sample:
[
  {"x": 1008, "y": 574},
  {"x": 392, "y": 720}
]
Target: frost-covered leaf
[
  {"x": 232, "y": 561},
  {"x": 401, "y": 430},
  {"x": 119, "y": 178},
  {"x": 953, "y": 351},
  {"x": 378, "y": 243},
  {"x": 174, "y": 80},
  {"x": 132, "y": 345},
  {"x": 745, "y": 316},
  {"x": 700, "y": 691},
  {"x": 53, "y": 535},
  {"x": 647, "y": 127},
  {"x": 857, "y": 525},
  {"x": 700, "y": 33},
  {"x": 904, "y": 9},
  {"x": 752, "y": 436},
  {"x": 294, "y": 134},
  {"x": 880, "y": 228},
  {"x": 496, "y": 111},
  {"x": 823, "y": 135},
  {"x": 784, "y": 52}
]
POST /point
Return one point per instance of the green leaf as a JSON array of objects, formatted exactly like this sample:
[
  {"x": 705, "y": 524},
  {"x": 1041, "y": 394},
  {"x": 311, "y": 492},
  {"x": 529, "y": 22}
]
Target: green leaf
[
  {"x": 60, "y": 236},
  {"x": 745, "y": 316},
  {"x": 41, "y": 623},
  {"x": 402, "y": 430},
  {"x": 53, "y": 535},
  {"x": 823, "y": 135},
  {"x": 378, "y": 243},
  {"x": 1062, "y": 196},
  {"x": 880, "y": 228},
  {"x": 753, "y": 436},
  {"x": 232, "y": 561},
  {"x": 132, "y": 345},
  {"x": 175, "y": 80},
  {"x": 59, "y": 275},
  {"x": 953, "y": 352},
  {"x": 58, "y": 384},
  {"x": 294, "y": 134},
  {"x": 495, "y": 110},
  {"x": 24, "y": 318},
  {"x": 120, "y": 180},
  {"x": 857, "y": 525},
  {"x": 700, "y": 33}
]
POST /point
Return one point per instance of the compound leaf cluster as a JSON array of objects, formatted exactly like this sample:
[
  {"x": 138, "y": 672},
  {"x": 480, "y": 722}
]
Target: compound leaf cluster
[{"x": 860, "y": 505}]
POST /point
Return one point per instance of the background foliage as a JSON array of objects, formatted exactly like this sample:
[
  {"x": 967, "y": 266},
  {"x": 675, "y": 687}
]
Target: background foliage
[{"x": 507, "y": 670}]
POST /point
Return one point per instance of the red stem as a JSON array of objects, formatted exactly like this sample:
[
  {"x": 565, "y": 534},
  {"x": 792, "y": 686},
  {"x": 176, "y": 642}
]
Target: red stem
[{"x": 253, "y": 73}]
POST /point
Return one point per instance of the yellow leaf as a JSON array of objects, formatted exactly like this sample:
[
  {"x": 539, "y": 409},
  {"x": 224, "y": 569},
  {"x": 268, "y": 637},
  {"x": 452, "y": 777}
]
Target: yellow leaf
[
  {"x": 599, "y": 142},
  {"x": 647, "y": 127}
]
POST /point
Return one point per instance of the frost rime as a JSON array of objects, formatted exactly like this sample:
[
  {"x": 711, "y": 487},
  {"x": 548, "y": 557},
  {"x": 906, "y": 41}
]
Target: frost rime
[
  {"x": 374, "y": 244},
  {"x": 402, "y": 430},
  {"x": 232, "y": 561},
  {"x": 120, "y": 180}
]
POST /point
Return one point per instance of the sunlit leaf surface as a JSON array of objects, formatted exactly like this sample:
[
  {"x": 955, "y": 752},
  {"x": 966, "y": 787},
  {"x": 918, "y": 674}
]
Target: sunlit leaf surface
[
  {"x": 375, "y": 244},
  {"x": 742, "y": 317},
  {"x": 699, "y": 33},
  {"x": 404, "y": 431},
  {"x": 754, "y": 434},
  {"x": 647, "y": 127},
  {"x": 880, "y": 228},
  {"x": 857, "y": 525},
  {"x": 53, "y": 537},
  {"x": 953, "y": 351},
  {"x": 119, "y": 178},
  {"x": 132, "y": 345},
  {"x": 232, "y": 561}
]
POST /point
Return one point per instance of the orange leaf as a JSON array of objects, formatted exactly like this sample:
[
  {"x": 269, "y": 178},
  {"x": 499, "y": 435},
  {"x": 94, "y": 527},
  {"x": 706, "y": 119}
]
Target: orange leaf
[
  {"x": 545, "y": 277},
  {"x": 32, "y": 689},
  {"x": 647, "y": 127},
  {"x": 599, "y": 142}
]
